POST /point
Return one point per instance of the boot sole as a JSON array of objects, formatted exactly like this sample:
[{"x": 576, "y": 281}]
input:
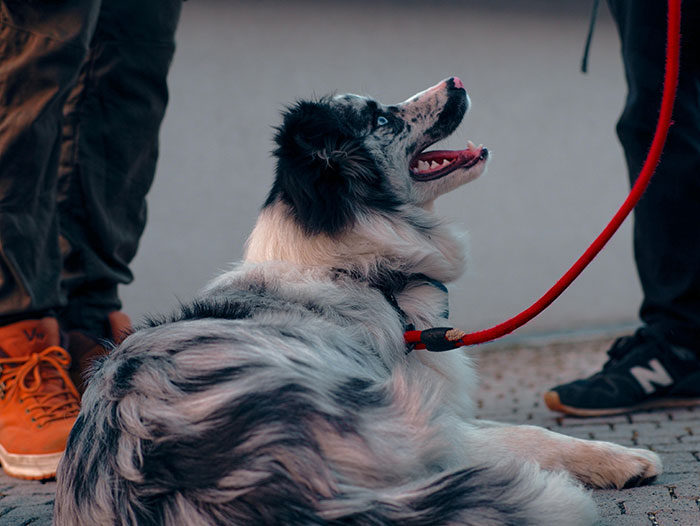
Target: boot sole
[
  {"x": 30, "y": 467},
  {"x": 551, "y": 398}
]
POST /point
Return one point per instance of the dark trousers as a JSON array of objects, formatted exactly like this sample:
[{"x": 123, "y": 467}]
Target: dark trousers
[
  {"x": 667, "y": 219},
  {"x": 82, "y": 96}
]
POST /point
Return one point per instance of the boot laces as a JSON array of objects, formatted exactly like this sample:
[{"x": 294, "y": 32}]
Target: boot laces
[{"x": 43, "y": 382}]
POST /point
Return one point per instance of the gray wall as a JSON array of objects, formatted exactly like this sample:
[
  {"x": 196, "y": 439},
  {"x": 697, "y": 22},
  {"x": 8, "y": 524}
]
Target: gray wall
[{"x": 555, "y": 178}]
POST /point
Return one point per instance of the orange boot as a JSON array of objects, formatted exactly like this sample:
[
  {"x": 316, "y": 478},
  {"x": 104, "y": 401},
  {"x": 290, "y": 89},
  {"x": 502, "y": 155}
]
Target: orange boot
[
  {"x": 84, "y": 348},
  {"x": 38, "y": 401}
]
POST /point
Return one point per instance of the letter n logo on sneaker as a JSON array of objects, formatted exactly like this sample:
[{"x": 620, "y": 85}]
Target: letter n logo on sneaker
[{"x": 656, "y": 374}]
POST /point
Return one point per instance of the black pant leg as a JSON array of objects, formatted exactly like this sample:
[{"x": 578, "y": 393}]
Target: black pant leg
[
  {"x": 667, "y": 219},
  {"x": 42, "y": 47},
  {"x": 110, "y": 150}
]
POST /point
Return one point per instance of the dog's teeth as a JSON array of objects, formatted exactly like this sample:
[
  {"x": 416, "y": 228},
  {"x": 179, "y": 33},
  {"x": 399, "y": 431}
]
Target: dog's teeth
[
  {"x": 470, "y": 145},
  {"x": 422, "y": 165},
  {"x": 445, "y": 162},
  {"x": 433, "y": 164}
]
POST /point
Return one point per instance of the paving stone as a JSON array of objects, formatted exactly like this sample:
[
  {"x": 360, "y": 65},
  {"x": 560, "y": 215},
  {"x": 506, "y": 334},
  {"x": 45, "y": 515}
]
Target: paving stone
[
  {"x": 649, "y": 416},
  {"x": 677, "y": 518},
  {"x": 625, "y": 520},
  {"x": 680, "y": 462},
  {"x": 688, "y": 488},
  {"x": 11, "y": 501},
  {"x": 649, "y": 498},
  {"x": 691, "y": 413},
  {"x": 674, "y": 434},
  {"x": 673, "y": 445},
  {"x": 27, "y": 514},
  {"x": 608, "y": 420}
]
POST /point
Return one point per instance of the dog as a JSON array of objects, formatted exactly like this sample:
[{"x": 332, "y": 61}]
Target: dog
[{"x": 284, "y": 393}]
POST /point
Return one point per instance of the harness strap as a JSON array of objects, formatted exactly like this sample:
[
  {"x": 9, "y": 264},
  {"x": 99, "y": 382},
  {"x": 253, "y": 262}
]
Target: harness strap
[{"x": 392, "y": 284}]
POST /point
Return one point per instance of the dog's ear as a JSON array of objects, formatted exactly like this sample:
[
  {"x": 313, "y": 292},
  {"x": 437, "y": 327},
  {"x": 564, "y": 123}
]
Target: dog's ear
[{"x": 324, "y": 172}]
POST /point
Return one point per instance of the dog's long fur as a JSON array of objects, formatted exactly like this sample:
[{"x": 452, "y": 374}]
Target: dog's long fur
[{"x": 283, "y": 394}]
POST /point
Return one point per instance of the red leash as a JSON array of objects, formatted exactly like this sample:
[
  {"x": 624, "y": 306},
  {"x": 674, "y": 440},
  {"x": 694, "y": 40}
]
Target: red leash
[{"x": 441, "y": 339}]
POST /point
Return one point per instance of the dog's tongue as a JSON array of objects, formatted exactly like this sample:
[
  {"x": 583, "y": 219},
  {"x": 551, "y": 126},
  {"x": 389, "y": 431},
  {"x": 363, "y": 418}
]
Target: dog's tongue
[{"x": 438, "y": 161}]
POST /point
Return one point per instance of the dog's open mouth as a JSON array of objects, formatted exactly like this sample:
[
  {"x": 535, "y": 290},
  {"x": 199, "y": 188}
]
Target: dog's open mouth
[{"x": 427, "y": 166}]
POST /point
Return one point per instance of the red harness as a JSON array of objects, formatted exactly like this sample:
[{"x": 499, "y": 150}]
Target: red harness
[{"x": 441, "y": 339}]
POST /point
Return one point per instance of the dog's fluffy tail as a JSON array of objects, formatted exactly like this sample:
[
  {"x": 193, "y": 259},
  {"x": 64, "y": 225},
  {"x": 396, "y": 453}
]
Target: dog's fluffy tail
[
  {"x": 495, "y": 496},
  {"x": 501, "y": 495}
]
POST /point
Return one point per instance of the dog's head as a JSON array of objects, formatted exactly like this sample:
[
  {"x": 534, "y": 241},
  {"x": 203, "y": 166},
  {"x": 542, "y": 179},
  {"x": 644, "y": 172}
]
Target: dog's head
[{"x": 343, "y": 157}]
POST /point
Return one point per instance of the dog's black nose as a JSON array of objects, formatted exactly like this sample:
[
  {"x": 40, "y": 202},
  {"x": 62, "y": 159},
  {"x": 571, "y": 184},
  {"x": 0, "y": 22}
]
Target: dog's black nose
[
  {"x": 455, "y": 83},
  {"x": 483, "y": 154}
]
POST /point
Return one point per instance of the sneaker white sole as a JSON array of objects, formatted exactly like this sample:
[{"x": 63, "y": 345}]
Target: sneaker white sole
[
  {"x": 551, "y": 398},
  {"x": 31, "y": 467}
]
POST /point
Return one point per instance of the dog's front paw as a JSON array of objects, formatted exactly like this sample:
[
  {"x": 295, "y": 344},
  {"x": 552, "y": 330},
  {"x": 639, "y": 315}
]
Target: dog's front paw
[{"x": 607, "y": 465}]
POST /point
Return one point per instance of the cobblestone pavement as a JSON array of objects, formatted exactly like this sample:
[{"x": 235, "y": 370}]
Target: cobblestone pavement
[{"x": 512, "y": 384}]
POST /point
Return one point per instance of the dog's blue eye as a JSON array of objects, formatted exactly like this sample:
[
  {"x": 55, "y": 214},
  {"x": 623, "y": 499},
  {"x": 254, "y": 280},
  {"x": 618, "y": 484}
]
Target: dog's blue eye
[{"x": 381, "y": 121}]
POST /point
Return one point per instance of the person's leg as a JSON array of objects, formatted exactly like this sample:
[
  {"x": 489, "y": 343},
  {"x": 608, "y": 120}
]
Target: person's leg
[
  {"x": 659, "y": 366},
  {"x": 108, "y": 159},
  {"x": 42, "y": 47},
  {"x": 667, "y": 218}
]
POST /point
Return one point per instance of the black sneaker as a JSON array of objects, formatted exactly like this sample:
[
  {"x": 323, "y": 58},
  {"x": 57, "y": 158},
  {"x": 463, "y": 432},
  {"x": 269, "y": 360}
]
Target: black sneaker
[{"x": 644, "y": 372}]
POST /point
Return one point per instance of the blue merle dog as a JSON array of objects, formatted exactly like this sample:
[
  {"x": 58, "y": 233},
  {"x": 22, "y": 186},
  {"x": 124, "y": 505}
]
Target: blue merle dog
[{"x": 284, "y": 394}]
